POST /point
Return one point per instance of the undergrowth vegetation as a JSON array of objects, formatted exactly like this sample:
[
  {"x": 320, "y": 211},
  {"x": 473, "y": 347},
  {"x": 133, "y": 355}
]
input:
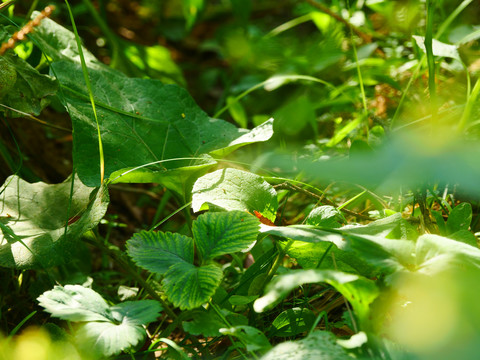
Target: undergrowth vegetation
[{"x": 238, "y": 179}]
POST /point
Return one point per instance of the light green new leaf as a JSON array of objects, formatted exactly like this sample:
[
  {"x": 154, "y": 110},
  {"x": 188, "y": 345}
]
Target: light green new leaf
[
  {"x": 157, "y": 251},
  {"x": 221, "y": 233},
  {"x": 188, "y": 286},
  {"x": 108, "y": 329},
  {"x": 232, "y": 189},
  {"x": 142, "y": 121},
  {"x": 252, "y": 338},
  {"x": 33, "y": 218},
  {"x": 21, "y": 86},
  {"x": 318, "y": 345},
  {"x": 359, "y": 291},
  {"x": 325, "y": 216}
]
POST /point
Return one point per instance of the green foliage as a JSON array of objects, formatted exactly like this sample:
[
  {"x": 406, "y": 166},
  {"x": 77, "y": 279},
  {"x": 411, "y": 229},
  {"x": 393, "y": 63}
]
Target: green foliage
[
  {"x": 318, "y": 345},
  {"x": 41, "y": 223},
  {"x": 105, "y": 330},
  {"x": 22, "y": 87},
  {"x": 172, "y": 255},
  {"x": 368, "y": 217},
  {"x": 232, "y": 189}
]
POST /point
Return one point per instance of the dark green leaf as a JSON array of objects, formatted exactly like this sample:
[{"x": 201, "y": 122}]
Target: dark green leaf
[
  {"x": 142, "y": 121},
  {"x": 22, "y": 87},
  {"x": 188, "y": 286},
  {"x": 252, "y": 338},
  {"x": 157, "y": 251},
  {"x": 222, "y": 233}
]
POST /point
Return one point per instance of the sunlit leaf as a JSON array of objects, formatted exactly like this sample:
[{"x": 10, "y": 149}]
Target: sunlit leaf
[
  {"x": 359, "y": 291},
  {"x": 142, "y": 121},
  {"x": 107, "y": 330},
  {"x": 232, "y": 189},
  {"x": 33, "y": 219},
  {"x": 221, "y": 233}
]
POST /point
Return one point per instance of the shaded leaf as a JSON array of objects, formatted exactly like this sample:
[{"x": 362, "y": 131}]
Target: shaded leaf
[
  {"x": 188, "y": 286},
  {"x": 208, "y": 323},
  {"x": 318, "y": 345},
  {"x": 33, "y": 218},
  {"x": 252, "y": 338},
  {"x": 157, "y": 251},
  {"x": 23, "y": 87},
  {"x": 292, "y": 322},
  {"x": 232, "y": 189},
  {"x": 222, "y": 233}
]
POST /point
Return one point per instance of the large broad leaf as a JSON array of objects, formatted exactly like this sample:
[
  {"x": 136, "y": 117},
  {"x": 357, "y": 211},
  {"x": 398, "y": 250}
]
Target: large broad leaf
[
  {"x": 188, "y": 286},
  {"x": 21, "y": 86},
  {"x": 142, "y": 121},
  {"x": 208, "y": 323},
  {"x": 359, "y": 291},
  {"x": 318, "y": 345},
  {"x": 232, "y": 189},
  {"x": 460, "y": 218},
  {"x": 33, "y": 218},
  {"x": 157, "y": 251},
  {"x": 221, "y": 233},
  {"x": 109, "y": 329}
]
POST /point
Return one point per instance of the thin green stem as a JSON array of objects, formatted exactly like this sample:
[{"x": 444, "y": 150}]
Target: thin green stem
[
  {"x": 90, "y": 92},
  {"x": 431, "y": 61}
]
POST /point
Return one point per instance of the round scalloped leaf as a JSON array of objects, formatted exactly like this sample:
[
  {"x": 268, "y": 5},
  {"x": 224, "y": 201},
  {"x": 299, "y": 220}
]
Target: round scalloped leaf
[
  {"x": 157, "y": 251},
  {"x": 33, "y": 219},
  {"x": 232, "y": 189},
  {"x": 108, "y": 330},
  {"x": 188, "y": 286},
  {"x": 222, "y": 233}
]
